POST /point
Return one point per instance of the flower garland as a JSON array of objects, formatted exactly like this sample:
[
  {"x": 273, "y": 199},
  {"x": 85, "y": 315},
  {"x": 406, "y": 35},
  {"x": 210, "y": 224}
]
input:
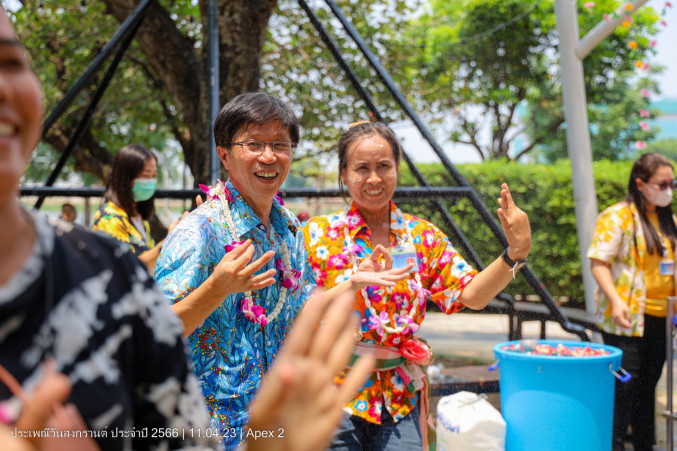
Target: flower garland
[
  {"x": 288, "y": 275},
  {"x": 381, "y": 321}
]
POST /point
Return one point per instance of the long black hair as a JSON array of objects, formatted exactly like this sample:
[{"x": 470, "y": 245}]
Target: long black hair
[
  {"x": 127, "y": 166},
  {"x": 643, "y": 169}
]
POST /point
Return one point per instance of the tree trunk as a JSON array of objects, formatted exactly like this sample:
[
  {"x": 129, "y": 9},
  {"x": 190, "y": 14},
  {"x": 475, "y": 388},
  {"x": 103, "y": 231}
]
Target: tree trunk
[{"x": 181, "y": 67}]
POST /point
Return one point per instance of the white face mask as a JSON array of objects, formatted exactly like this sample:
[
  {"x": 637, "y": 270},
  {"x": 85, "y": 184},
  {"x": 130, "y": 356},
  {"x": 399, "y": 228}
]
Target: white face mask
[{"x": 659, "y": 198}]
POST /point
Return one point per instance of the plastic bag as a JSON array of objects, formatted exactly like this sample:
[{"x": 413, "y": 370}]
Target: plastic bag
[{"x": 467, "y": 422}]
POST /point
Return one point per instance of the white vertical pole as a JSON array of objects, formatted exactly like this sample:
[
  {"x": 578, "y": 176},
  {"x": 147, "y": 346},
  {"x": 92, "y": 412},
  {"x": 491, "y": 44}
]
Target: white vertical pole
[
  {"x": 572, "y": 52},
  {"x": 578, "y": 137}
]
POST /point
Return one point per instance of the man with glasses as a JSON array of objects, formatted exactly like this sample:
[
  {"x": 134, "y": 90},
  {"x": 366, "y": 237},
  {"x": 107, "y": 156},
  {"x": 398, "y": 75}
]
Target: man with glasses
[{"x": 234, "y": 340}]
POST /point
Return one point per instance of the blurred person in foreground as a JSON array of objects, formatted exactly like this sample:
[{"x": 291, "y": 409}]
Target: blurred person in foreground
[
  {"x": 82, "y": 302},
  {"x": 298, "y": 400}
]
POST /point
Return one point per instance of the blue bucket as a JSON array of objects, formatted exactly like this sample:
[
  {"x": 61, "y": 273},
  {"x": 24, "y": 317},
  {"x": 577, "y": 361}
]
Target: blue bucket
[{"x": 557, "y": 403}]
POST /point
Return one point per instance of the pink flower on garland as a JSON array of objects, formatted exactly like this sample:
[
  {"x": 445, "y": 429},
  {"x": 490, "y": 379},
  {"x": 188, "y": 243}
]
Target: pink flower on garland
[
  {"x": 254, "y": 313},
  {"x": 639, "y": 145},
  {"x": 407, "y": 320},
  {"x": 644, "y": 113},
  {"x": 645, "y": 93},
  {"x": 589, "y": 5},
  {"x": 278, "y": 198},
  {"x": 233, "y": 245},
  {"x": 644, "y": 125},
  {"x": 213, "y": 193},
  {"x": 374, "y": 295},
  {"x": 668, "y": 5},
  {"x": 653, "y": 43},
  {"x": 205, "y": 189},
  {"x": 289, "y": 277},
  {"x": 606, "y": 18},
  {"x": 379, "y": 322}
]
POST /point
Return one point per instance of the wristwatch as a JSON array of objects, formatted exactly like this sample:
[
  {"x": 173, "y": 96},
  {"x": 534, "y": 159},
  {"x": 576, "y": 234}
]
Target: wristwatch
[{"x": 514, "y": 265}]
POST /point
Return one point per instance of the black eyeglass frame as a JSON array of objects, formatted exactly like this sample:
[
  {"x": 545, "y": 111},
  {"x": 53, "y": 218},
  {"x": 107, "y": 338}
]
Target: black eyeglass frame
[{"x": 245, "y": 145}]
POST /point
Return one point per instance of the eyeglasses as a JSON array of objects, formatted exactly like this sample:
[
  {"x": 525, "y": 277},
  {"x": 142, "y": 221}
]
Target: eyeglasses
[
  {"x": 257, "y": 147},
  {"x": 665, "y": 185}
]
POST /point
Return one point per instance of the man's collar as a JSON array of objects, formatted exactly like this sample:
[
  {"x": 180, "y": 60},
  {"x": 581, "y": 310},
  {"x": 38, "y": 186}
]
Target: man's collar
[{"x": 245, "y": 219}]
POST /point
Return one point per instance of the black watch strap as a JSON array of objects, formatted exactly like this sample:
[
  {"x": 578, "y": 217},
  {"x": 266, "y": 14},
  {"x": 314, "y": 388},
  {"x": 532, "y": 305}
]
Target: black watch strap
[{"x": 514, "y": 265}]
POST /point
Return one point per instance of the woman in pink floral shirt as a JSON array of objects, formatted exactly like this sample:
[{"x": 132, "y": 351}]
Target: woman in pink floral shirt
[{"x": 385, "y": 414}]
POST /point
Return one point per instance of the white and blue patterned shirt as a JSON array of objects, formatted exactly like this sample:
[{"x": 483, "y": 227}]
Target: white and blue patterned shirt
[
  {"x": 88, "y": 303},
  {"x": 231, "y": 353}
]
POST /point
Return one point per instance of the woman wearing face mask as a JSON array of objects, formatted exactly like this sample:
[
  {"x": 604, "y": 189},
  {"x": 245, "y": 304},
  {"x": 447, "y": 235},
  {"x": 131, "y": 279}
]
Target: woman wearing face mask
[
  {"x": 129, "y": 202},
  {"x": 632, "y": 259}
]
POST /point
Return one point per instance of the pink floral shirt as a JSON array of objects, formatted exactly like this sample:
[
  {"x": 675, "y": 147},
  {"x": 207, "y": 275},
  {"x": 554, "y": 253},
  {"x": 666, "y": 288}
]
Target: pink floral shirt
[{"x": 443, "y": 274}]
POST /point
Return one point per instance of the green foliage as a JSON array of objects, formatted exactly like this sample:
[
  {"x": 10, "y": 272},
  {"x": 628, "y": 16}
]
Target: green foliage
[
  {"x": 545, "y": 193},
  {"x": 667, "y": 147},
  {"x": 62, "y": 41},
  {"x": 298, "y": 67},
  {"x": 474, "y": 61},
  {"x": 493, "y": 64}
]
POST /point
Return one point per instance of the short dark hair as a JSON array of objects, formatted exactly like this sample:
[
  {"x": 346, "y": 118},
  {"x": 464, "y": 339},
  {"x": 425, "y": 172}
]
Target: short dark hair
[
  {"x": 127, "y": 166},
  {"x": 360, "y": 131},
  {"x": 253, "y": 108},
  {"x": 643, "y": 169}
]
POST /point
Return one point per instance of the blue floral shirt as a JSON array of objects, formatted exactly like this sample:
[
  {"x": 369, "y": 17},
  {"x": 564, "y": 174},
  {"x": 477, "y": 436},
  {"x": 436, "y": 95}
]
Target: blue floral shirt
[{"x": 230, "y": 353}]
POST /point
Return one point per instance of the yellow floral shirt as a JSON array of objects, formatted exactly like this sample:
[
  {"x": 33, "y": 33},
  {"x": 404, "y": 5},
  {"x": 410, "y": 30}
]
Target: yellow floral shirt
[
  {"x": 443, "y": 274},
  {"x": 613, "y": 243},
  {"x": 114, "y": 221}
]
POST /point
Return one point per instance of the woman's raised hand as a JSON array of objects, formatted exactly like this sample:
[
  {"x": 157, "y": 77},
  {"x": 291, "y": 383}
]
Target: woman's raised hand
[
  {"x": 372, "y": 272},
  {"x": 515, "y": 223}
]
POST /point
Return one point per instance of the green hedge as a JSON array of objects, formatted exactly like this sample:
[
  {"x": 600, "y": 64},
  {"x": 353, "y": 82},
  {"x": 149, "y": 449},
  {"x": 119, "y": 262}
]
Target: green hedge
[{"x": 545, "y": 192}]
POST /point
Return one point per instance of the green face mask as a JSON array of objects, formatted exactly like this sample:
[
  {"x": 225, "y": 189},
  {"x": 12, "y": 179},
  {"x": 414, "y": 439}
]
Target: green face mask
[{"x": 143, "y": 189}]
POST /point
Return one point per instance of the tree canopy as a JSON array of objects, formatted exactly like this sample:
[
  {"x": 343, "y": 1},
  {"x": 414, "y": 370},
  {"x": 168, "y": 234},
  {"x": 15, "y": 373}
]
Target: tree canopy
[
  {"x": 493, "y": 64},
  {"x": 461, "y": 64}
]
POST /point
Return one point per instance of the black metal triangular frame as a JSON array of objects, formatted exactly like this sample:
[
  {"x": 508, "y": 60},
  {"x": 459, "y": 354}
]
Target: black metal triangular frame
[{"x": 471, "y": 194}]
